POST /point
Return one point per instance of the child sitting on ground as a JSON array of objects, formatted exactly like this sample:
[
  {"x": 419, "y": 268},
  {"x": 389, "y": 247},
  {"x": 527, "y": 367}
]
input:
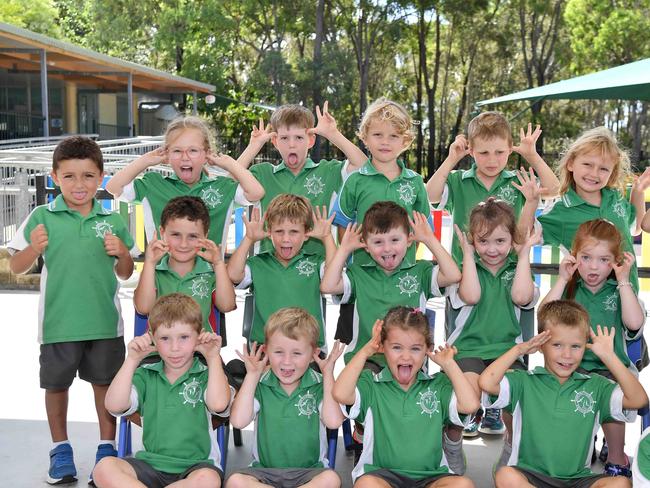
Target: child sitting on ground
[
  {"x": 290, "y": 403},
  {"x": 174, "y": 397}
]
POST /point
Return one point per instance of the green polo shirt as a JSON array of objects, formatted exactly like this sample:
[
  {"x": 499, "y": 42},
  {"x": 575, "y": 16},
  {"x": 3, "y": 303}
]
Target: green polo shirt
[
  {"x": 155, "y": 190},
  {"x": 368, "y": 186},
  {"x": 318, "y": 182},
  {"x": 288, "y": 429},
  {"x": 463, "y": 191},
  {"x": 403, "y": 429},
  {"x": 641, "y": 464},
  {"x": 604, "y": 309},
  {"x": 275, "y": 286},
  {"x": 176, "y": 424},
  {"x": 199, "y": 283},
  {"x": 78, "y": 300},
  {"x": 374, "y": 293},
  {"x": 562, "y": 217},
  {"x": 553, "y": 425},
  {"x": 491, "y": 327}
]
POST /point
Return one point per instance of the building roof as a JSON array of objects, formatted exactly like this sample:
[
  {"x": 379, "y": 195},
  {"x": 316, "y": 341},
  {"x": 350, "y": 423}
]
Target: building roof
[{"x": 19, "y": 52}]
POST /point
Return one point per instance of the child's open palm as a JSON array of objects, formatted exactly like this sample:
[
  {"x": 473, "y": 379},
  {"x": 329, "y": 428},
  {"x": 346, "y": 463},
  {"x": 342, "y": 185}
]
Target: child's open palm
[
  {"x": 140, "y": 347},
  {"x": 255, "y": 226},
  {"x": 328, "y": 363},
  {"x": 527, "y": 141},
  {"x": 602, "y": 341},
  {"x": 463, "y": 241},
  {"x": 443, "y": 356},
  {"x": 38, "y": 238},
  {"x": 261, "y": 134},
  {"x": 568, "y": 267},
  {"x": 208, "y": 344},
  {"x": 255, "y": 360},
  {"x": 326, "y": 124},
  {"x": 352, "y": 239},
  {"x": 642, "y": 182},
  {"x": 528, "y": 185},
  {"x": 322, "y": 224},
  {"x": 209, "y": 251},
  {"x": 156, "y": 249},
  {"x": 421, "y": 228},
  {"x": 622, "y": 270}
]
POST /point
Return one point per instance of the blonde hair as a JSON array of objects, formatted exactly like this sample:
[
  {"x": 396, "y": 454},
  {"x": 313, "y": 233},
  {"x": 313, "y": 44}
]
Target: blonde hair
[
  {"x": 563, "y": 313},
  {"x": 287, "y": 206},
  {"x": 292, "y": 115},
  {"x": 600, "y": 140},
  {"x": 384, "y": 110},
  {"x": 175, "y": 308},
  {"x": 292, "y": 322},
  {"x": 192, "y": 122},
  {"x": 489, "y": 125}
]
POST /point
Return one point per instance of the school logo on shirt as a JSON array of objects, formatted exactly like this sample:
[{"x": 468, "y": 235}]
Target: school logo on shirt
[
  {"x": 306, "y": 267},
  {"x": 428, "y": 402},
  {"x": 584, "y": 402},
  {"x": 306, "y": 405},
  {"x": 610, "y": 303},
  {"x": 619, "y": 209},
  {"x": 201, "y": 287},
  {"x": 406, "y": 193},
  {"x": 507, "y": 276},
  {"x": 192, "y": 393},
  {"x": 314, "y": 185},
  {"x": 102, "y": 228},
  {"x": 507, "y": 194},
  {"x": 408, "y": 284},
  {"x": 212, "y": 197}
]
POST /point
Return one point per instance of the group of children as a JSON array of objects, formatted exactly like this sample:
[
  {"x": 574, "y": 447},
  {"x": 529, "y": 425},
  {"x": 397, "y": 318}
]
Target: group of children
[{"x": 289, "y": 259}]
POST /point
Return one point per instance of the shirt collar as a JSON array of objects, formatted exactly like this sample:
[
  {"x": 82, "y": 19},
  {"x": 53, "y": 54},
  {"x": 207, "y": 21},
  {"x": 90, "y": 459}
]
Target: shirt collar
[
  {"x": 368, "y": 169},
  {"x": 59, "y": 205},
  {"x": 309, "y": 164}
]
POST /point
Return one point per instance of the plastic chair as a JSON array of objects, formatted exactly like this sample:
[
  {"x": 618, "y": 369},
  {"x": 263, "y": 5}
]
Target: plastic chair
[
  {"x": 124, "y": 446},
  {"x": 635, "y": 354}
]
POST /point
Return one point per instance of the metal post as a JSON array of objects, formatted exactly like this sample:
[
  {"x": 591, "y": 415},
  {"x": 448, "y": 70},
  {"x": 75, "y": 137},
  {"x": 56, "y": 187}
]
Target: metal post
[
  {"x": 129, "y": 94},
  {"x": 45, "y": 108},
  {"x": 195, "y": 103}
]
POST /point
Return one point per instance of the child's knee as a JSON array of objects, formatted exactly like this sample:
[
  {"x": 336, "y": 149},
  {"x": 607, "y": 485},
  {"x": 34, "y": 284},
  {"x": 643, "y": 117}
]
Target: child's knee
[
  {"x": 327, "y": 479},
  {"x": 463, "y": 482},
  {"x": 205, "y": 478},
  {"x": 616, "y": 482},
  {"x": 237, "y": 480},
  {"x": 106, "y": 469},
  {"x": 507, "y": 477}
]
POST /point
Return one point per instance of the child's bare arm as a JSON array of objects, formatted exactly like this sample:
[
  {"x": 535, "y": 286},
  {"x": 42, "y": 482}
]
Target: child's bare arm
[
  {"x": 332, "y": 281},
  {"x": 345, "y": 385},
  {"x": 259, "y": 136},
  {"x": 637, "y": 198},
  {"x": 523, "y": 286},
  {"x": 548, "y": 180},
  {"x": 436, "y": 184},
  {"x": 145, "y": 293},
  {"x": 118, "y": 396},
  {"x": 532, "y": 192},
  {"x": 254, "y": 232},
  {"x": 23, "y": 260},
  {"x": 491, "y": 378},
  {"x": 243, "y": 408},
  {"x": 602, "y": 345},
  {"x": 217, "y": 393},
  {"x": 253, "y": 190},
  {"x": 224, "y": 293},
  {"x": 632, "y": 314},
  {"x": 322, "y": 231},
  {"x": 448, "y": 271},
  {"x": 331, "y": 411},
  {"x": 567, "y": 267},
  {"x": 467, "y": 399},
  {"x": 123, "y": 177},
  {"x": 124, "y": 262},
  {"x": 469, "y": 289}
]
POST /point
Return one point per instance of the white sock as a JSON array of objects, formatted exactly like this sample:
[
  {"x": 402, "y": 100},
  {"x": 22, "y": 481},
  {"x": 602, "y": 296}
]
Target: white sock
[
  {"x": 111, "y": 442},
  {"x": 57, "y": 444}
]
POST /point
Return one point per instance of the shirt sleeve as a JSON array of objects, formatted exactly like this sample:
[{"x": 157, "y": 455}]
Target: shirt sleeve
[
  {"x": 363, "y": 397},
  {"x": 247, "y": 280},
  {"x": 434, "y": 287},
  {"x": 345, "y": 207},
  {"x": 240, "y": 198},
  {"x": 348, "y": 290},
  {"x": 128, "y": 193},
  {"x": 422, "y": 204},
  {"x": 21, "y": 238},
  {"x": 226, "y": 412},
  {"x": 509, "y": 392},
  {"x": 551, "y": 223},
  {"x": 448, "y": 193},
  {"x": 454, "y": 297}
]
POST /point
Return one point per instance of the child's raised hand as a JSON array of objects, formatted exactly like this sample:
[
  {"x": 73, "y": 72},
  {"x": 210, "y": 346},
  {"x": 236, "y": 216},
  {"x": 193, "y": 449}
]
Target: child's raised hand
[
  {"x": 140, "y": 347},
  {"x": 443, "y": 356},
  {"x": 326, "y": 123},
  {"x": 322, "y": 224},
  {"x": 622, "y": 270},
  {"x": 208, "y": 344},
  {"x": 255, "y": 226},
  {"x": 38, "y": 238},
  {"x": 533, "y": 345},
  {"x": 533, "y": 239},
  {"x": 567, "y": 267},
  {"x": 327, "y": 364},
  {"x": 261, "y": 134},
  {"x": 373, "y": 346},
  {"x": 114, "y": 246},
  {"x": 642, "y": 182},
  {"x": 463, "y": 241},
  {"x": 352, "y": 239},
  {"x": 421, "y": 228},
  {"x": 156, "y": 249},
  {"x": 528, "y": 185},
  {"x": 209, "y": 251},
  {"x": 255, "y": 360},
  {"x": 220, "y": 160},
  {"x": 157, "y": 156},
  {"x": 459, "y": 148},
  {"x": 527, "y": 142},
  {"x": 602, "y": 341}
]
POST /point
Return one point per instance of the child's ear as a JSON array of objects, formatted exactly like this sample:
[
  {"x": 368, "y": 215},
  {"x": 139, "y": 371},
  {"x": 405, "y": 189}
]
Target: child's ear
[
  {"x": 54, "y": 177},
  {"x": 312, "y": 139}
]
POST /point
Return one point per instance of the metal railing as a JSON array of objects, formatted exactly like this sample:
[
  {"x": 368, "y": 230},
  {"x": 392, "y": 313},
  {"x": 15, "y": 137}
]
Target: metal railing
[{"x": 15, "y": 125}]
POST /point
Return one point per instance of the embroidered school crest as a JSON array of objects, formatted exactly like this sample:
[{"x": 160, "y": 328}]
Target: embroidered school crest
[
  {"x": 314, "y": 185},
  {"x": 200, "y": 287},
  {"x": 619, "y": 209},
  {"x": 212, "y": 197},
  {"x": 102, "y": 228},
  {"x": 507, "y": 276},
  {"x": 584, "y": 402},
  {"x": 408, "y": 284},
  {"x": 306, "y": 405},
  {"x": 610, "y": 303},
  {"x": 192, "y": 393},
  {"x": 306, "y": 267},
  {"x": 428, "y": 402},
  {"x": 406, "y": 193},
  {"x": 507, "y": 194}
]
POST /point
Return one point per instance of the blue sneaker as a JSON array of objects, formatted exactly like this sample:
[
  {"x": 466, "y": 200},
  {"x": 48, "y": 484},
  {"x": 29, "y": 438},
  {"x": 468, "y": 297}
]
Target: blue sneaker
[
  {"x": 612, "y": 469},
  {"x": 103, "y": 450},
  {"x": 471, "y": 430},
  {"x": 62, "y": 468},
  {"x": 492, "y": 423}
]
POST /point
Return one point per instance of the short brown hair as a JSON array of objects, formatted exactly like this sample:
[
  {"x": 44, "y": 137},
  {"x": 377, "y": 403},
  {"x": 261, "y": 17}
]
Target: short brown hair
[
  {"x": 563, "y": 313},
  {"x": 186, "y": 207},
  {"x": 294, "y": 208},
  {"x": 489, "y": 215},
  {"x": 489, "y": 125},
  {"x": 175, "y": 308},
  {"x": 292, "y": 115},
  {"x": 382, "y": 110},
  {"x": 77, "y": 147},
  {"x": 382, "y": 217},
  {"x": 407, "y": 318},
  {"x": 293, "y": 322}
]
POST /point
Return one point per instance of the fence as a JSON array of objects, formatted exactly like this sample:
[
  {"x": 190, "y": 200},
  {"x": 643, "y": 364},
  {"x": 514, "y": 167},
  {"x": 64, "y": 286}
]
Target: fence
[{"x": 14, "y": 126}]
